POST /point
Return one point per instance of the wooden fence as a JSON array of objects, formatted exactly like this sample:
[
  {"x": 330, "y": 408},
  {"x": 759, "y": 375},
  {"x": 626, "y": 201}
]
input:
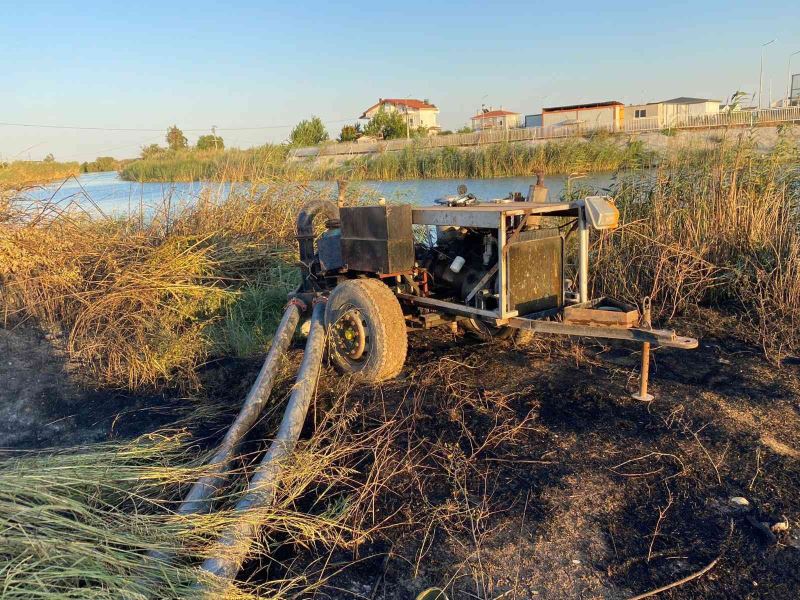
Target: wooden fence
[{"x": 739, "y": 118}]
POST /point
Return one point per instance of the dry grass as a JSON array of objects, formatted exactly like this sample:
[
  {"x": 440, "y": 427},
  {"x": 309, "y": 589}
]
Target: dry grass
[
  {"x": 79, "y": 523},
  {"x": 720, "y": 227},
  {"x": 139, "y": 298}
]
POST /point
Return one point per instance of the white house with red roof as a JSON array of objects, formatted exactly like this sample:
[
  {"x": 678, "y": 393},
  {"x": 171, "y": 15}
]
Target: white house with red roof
[
  {"x": 419, "y": 113},
  {"x": 496, "y": 119}
]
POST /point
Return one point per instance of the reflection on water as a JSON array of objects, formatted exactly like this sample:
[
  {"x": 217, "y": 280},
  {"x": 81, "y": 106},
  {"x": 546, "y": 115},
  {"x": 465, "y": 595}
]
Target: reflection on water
[{"x": 114, "y": 196}]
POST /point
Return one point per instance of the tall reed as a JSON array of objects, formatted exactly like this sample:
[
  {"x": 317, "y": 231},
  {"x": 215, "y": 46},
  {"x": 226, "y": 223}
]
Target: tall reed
[
  {"x": 719, "y": 227},
  {"x": 599, "y": 153},
  {"x": 21, "y": 173}
]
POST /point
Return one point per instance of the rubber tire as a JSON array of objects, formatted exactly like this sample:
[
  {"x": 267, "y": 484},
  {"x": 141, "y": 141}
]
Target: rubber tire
[
  {"x": 387, "y": 328},
  {"x": 487, "y": 332}
]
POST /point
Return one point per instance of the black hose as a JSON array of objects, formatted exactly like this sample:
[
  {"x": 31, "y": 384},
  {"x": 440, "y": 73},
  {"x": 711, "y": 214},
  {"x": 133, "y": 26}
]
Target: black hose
[
  {"x": 197, "y": 500},
  {"x": 231, "y": 550}
]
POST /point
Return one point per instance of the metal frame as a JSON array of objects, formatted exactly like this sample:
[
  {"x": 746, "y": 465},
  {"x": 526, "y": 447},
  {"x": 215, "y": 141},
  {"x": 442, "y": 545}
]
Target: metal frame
[{"x": 495, "y": 216}]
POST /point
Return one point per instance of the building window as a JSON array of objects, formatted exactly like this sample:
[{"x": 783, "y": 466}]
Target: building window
[{"x": 640, "y": 113}]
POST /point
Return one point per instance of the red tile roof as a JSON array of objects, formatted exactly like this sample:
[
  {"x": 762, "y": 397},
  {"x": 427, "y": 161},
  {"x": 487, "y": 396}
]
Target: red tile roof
[
  {"x": 495, "y": 113},
  {"x": 407, "y": 102}
]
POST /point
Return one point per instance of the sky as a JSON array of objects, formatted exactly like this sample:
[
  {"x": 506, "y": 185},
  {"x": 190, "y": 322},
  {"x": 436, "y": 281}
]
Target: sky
[{"x": 255, "y": 68}]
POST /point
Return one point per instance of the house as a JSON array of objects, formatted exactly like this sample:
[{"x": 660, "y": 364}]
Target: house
[
  {"x": 496, "y": 119},
  {"x": 592, "y": 114},
  {"x": 666, "y": 112},
  {"x": 418, "y": 113}
]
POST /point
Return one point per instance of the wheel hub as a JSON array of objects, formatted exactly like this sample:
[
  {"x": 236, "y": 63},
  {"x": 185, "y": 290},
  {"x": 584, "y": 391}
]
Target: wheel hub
[{"x": 350, "y": 336}]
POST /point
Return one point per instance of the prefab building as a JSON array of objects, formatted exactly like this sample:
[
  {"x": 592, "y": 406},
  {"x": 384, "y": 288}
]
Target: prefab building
[
  {"x": 496, "y": 119},
  {"x": 591, "y": 115},
  {"x": 533, "y": 120},
  {"x": 668, "y": 112}
]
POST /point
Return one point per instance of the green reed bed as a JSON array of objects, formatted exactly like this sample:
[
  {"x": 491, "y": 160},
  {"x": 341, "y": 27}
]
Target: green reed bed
[
  {"x": 597, "y": 153},
  {"x": 22, "y": 173},
  {"x": 603, "y": 153}
]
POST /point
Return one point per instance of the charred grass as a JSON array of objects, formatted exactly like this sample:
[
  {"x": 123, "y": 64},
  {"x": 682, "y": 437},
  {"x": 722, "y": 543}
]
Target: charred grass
[{"x": 530, "y": 471}]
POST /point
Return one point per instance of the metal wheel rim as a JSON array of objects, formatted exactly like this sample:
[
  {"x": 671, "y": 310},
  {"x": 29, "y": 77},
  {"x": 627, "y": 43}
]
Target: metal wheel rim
[{"x": 351, "y": 336}]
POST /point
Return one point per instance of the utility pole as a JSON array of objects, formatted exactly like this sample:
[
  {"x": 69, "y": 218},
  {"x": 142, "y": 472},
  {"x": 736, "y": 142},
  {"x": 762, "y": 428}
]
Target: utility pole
[
  {"x": 789, "y": 79},
  {"x": 761, "y": 71}
]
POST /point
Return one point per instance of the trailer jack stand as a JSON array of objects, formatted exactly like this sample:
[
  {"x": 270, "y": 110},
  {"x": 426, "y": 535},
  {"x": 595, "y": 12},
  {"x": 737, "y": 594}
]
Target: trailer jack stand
[{"x": 643, "y": 396}]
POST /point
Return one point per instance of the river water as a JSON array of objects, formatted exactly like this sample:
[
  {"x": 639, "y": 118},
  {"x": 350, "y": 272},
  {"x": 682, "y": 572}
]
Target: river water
[{"x": 115, "y": 196}]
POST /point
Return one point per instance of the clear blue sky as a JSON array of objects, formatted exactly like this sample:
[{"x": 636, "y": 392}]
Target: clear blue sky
[{"x": 249, "y": 63}]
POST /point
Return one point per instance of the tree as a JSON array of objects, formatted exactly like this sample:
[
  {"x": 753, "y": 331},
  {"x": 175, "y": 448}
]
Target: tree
[
  {"x": 210, "y": 142},
  {"x": 387, "y": 125},
  {"x": 151, "y": 151},
  {"x": 465, "y": 129},
  {"x": 101, "y": 164},
  {"x": 175, "y": 139},
  {"x": 308, "y": 132},
  {"x": 49, "y": 158},
  {"x": 350, "y": 133}
]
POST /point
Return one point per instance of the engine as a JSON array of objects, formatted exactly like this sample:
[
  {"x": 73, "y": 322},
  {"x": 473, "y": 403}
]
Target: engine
[{"x": 461, "y": 259}]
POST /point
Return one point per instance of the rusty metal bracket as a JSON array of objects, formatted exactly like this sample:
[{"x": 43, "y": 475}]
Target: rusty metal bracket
[
  {"x": 301, "y": 306},
  {"x": 515, "y": 234}
]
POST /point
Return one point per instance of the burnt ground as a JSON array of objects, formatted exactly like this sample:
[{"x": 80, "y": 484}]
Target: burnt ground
[
  {"x": 529, "y": 471},
  {"x": 523, "y": 471},
  {"x": 44, "y": 402}
]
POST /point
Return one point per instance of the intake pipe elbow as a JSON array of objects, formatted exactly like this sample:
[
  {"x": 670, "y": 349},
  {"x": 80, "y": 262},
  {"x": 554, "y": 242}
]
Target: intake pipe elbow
[{"x": 305, "y": 225}]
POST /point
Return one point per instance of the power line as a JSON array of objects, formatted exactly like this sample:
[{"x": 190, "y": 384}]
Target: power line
[{"x": 161, "y": 129}]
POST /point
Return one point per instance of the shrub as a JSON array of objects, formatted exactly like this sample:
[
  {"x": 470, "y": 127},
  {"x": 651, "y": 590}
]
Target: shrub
[
  {"x": 210, "y": 142},
  {"x": 308, "y": 133},
  {"x": 350, "y": 133}
]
